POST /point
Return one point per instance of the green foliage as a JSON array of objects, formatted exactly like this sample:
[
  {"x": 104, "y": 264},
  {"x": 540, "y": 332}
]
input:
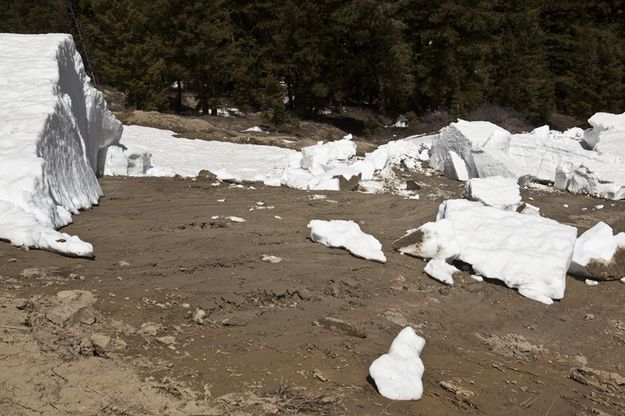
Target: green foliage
[{"x": 296, "y": 57}]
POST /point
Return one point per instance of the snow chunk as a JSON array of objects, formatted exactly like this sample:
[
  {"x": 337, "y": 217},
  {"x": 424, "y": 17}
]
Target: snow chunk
[
  {"x": 488, "y": 150},
  {"x": 53, "y": 139},
  {"x": 398, "y": 373},
  {"x": 441, "y": 271},
  {"x": 272, "y": 259},
  {"x": 526, "y": 252},
  {"x": 590, "y": 282},
  {"x": 599, "y": 254},
  {"x": 494, "y": 191},
  {"x": 346, "y": 234},
  {"x": 171, "y": 155},
  {"x": 255, "y": 129}
]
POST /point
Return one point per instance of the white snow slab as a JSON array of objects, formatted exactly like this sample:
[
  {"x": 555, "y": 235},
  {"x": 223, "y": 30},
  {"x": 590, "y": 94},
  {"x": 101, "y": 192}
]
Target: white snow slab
[
  {"x": 488, "y": 150},
  {"x": 598, "y": 244},
  {"x": 172, "y": 155},
  {"x": 397, "y": 374},
  {"x": 441, "y": 270},
  {"x": 348, "y": 235},
  {"x": 53, "y": 138},
  {"x": 603, "y": 123},
  {"x": 494, "y": 191},
  {"x": 526, "y": 252}
]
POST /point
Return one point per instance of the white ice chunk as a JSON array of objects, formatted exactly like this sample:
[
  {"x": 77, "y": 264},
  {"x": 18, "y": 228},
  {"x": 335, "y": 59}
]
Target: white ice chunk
[
  {"x": 272, "y": 259},
  {"x": 494, "y": 191},
  {"x": 591, "y": 282},
  {"x": 441, "y": 271},
  {"x": 348, "y": 235},
  {"x": 397, "y": 374}
]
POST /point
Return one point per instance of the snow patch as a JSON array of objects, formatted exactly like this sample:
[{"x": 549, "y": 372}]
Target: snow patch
[
  {"x": 348, "y": 235},
  {"x": 441, "y": 271}
]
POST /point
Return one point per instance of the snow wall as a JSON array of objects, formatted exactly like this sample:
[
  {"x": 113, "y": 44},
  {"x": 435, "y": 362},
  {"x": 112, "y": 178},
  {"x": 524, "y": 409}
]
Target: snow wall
[{"x": 54, "y": 132}]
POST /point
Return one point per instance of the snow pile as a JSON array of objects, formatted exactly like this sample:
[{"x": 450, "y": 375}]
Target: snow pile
[
  {"x": 398, "y": 373},
  {"x": 320, "y": 166},
  {"x": 599, "y": 254},
  {"x": 154, "y": 152},
  {"x": 481, "y": 149},
  {"x": 607, "y": 133},
  {"x": 494, "y": 191},
  {"x": 53, "y": 139},
  {"x": 526, "y": 252},
  {"x": 346, "y": 234}
]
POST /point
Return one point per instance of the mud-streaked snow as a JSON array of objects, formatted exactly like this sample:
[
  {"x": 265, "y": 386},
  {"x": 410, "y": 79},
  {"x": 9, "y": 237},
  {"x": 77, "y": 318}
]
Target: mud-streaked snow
[
  {"x": 348, "y": 235},
  {"x": 53, "y": 138},
  {"x": 526, "y": 252},
  {"x": 397, "y": 374}
]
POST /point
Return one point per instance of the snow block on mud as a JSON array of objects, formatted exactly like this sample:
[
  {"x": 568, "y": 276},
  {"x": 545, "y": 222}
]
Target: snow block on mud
[
  {"x": 599, "y": 254},
  {"x": 53, "y": 138},
  {"x": 526, "y": 252},
  {"x": 397, "y": 374},
  {"x": 348, "y": 235}
]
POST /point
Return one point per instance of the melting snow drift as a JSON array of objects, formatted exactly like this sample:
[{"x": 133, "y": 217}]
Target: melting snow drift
[
  {"x": 398, "y": 373},
  {"x": 599, "y": 254},
  {"x": 346, "y": 234},
  {"x": 53, "y": 138}
]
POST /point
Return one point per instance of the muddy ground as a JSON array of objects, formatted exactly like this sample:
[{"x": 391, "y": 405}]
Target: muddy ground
[{"x": 135, "y": 344}]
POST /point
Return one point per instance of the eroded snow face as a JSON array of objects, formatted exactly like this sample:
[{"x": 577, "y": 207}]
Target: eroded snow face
[
  {"x": 397, "y": 374},
  {"x": 53, "y": 138},
  {"x": 347, "y": 235},
  {"x": 527, "y": 252}
]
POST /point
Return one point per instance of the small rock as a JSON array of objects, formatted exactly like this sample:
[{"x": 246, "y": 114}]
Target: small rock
[
  {"x": 272, "y": 259},
  {"x": 101, "y": 342},
  {"x": 198, "y": 316},
  {"x": 150, "y": 328},
  {"x": 185, "y": 305},
  {"x": 123, "y": 263},
  {"x": 589, "y": 317},
  {"x": 340, "y": 326},
  {"x": 456, "y": 390},
  {"x": 167, "y": 340},
  {"x": 304, "y": 294},
  {"x": 317, "y": 374}
]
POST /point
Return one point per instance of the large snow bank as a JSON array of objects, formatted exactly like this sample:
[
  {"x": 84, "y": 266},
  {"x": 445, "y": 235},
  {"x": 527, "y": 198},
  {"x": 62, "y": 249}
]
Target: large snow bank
[
  {"x": 398, "y": 373},
  {"x": 526, "y": 252},
  {"x": 53, "y": 138},
  {"x": 488, "y": 150},
  {"x": 145, "y": 151},
  {"x": 348, "y": 235},
  {"x": 599, "y": 254}
]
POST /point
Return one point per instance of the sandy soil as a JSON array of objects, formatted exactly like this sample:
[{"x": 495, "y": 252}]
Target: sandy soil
[{"x": 130, "y": 344}]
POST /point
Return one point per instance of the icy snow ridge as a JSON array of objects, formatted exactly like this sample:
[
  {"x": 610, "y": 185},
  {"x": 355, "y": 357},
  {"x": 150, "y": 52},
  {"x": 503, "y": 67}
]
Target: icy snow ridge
[
  {"x": 398, "y": 373},
  {"x": 53, "y": 139},
  {"x": 348, "y": 235},
  {"x": 526, "y": 252}
]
